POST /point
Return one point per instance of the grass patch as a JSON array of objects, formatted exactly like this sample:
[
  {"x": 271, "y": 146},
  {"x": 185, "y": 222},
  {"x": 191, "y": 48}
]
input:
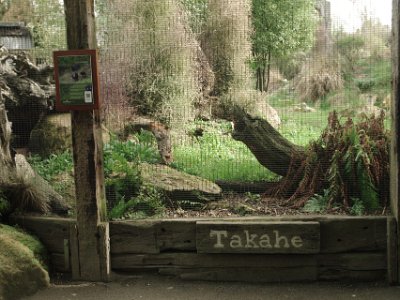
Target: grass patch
[
  {"x": 215, "y": 155},
  {"x": 31, "y": 242}
]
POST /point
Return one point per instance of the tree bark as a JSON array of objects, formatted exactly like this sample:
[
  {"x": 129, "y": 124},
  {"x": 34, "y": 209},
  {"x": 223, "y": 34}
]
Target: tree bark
[
  {"x": 25, "y": 99},
  {"x": 271, "y": 149}
]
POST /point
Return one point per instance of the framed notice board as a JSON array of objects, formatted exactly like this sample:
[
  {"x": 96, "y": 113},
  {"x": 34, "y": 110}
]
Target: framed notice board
[{"x": 76, "y": 77}]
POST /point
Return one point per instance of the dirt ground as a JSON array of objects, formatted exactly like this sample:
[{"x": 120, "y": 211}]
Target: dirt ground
[
  {"x": 156, "y": 287},
  {"x": 240, "y": 205}
]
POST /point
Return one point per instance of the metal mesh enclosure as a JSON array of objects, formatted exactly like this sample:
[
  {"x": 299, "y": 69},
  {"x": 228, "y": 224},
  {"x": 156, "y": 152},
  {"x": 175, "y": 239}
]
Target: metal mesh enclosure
[{"x": 215, "y": 107}]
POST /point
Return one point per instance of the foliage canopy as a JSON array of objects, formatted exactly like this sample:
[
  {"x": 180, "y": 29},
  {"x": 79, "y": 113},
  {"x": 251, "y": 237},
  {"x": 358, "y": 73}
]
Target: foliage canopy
[{"x": 281, "y": 28}]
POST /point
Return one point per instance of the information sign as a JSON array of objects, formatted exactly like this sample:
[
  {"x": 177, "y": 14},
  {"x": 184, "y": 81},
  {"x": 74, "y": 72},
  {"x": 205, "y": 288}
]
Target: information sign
[{"x": 76, "y": 80}]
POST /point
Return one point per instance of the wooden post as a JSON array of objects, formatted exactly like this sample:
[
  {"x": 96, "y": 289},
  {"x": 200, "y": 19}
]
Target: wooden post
[
  {"x": 90, "y": 240},
  {"x": 395, "y": 145}
]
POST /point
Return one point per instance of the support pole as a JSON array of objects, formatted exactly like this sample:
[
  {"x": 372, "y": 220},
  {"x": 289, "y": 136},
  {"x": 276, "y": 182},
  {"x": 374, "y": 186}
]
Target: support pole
[
  {"x": 89, "y": 239},
  {"x": 394, "y": 264}
]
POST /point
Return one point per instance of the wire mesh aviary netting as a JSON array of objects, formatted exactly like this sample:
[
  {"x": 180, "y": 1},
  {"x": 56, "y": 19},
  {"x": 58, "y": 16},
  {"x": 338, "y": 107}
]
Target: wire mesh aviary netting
[{"x": 209, "y": 108}]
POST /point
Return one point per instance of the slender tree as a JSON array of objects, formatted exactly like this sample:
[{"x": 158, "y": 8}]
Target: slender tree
[{"x": 281, "y": 28}]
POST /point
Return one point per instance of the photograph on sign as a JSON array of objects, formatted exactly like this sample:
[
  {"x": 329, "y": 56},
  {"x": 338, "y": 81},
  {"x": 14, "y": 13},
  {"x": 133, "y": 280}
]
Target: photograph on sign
[{"x": 76, "y": 79}]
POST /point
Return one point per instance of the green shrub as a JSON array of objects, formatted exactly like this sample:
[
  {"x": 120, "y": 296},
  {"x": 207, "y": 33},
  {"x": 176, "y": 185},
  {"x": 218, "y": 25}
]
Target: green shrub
[
  {"x": 52, "y": 166},
  {"x": 358, "y": 207},
  {"x": 318, "y": 203},
  {"x": 350, "y": 161},
  {"x": 146, "y": 204},
  {"x": 122, "y": 176}
]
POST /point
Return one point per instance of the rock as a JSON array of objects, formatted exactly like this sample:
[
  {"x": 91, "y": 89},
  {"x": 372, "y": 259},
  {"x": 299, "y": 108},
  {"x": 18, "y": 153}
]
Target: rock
[
  {"x": 179, "y": 186},
  {"x": 52, "y": 135},
  {"x": 264, "y": 110},
  {"x": 303, "y": 107},
  {"x": 21, "y": 273}
]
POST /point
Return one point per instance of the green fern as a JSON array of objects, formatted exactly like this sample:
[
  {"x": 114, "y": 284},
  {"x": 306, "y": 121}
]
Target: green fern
[{"x": 317, "y": 203}]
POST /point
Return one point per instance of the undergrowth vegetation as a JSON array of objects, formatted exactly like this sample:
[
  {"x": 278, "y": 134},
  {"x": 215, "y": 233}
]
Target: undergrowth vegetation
[
  {"x": 126, "y": 195},
  {"x": 349, "y": 163},
  {"x": 216, "y": 156}
]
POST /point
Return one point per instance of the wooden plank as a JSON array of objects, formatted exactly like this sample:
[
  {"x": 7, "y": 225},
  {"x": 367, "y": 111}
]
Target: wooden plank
[
  {"x": 350, "y": 275},
  {"x": 257, "y": 237},
  {"x": 392, "y": 251},
  {"x": 271, "y": 275},
  {"x": 359, "y": 261},
  {"x": 50, "y": 231},
  {"x": 57, "y": 263},
  {"x": 353, "y": 234},
  {"x": 74, "y": 252},
  {"x": 362, "y": 266},
  {"x": 137, "y": 261},
  {"x": 395, "y": 114},
  {"x": 176, "y": 236},
  {"x": 87, "y": 155},
  {"x": 395, "y": 140},
  {"x": 104, "y": 252},
  {"x": 133, "y": 237}
]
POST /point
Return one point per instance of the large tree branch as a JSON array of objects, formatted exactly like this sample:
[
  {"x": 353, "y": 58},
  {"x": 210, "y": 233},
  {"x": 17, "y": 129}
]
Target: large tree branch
[{"x": 271, "y": 149}]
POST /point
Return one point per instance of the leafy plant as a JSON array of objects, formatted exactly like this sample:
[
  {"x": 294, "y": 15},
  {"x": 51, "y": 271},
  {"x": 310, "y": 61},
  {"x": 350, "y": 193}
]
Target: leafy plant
[
  {"x": 358, "y": 208},
  {"x": 253, "y": 198},
  {"x": 349, "y": 161},
  {"x": 147, "y": 203},
  {"x": 52, "y": 166},
  {"x": 122, "y": 174},
  {"x": 317, "y": 203},
  {"x": 281, "y": 28}
]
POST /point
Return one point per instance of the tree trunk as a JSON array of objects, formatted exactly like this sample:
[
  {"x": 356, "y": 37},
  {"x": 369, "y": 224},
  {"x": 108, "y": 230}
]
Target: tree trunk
[
  {"x": 25, "y": 99},
  {"x": 271, "y": 149},
  {"x": 268, "y": 71}
]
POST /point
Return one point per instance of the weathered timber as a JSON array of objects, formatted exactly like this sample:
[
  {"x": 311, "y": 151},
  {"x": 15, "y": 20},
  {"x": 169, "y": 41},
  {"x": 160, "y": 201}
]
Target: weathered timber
[
  {"x": 395, "y": 140},
  {"x": 265, "y": 274},
  {"x": 361, "y": 266},
  {"x": 353, "y": 234},
  {"x": 341, "y": 266},
  {"x": 349, "y": 275},
  {"x": 133, "y": 237},
  {"x": 74, "y": 250},
  {"x": 59, "y": 264},
  {"x": 392, "y": 251},
  {"x": 395, "y": 114},
  {"x": 50, "y": 231},
  {"x": 88, "y": 158},
  {"x": 257, "y": 237},
  {"x": 195, "y": 260},
  {"x": 176, "y": 236},
  {"x": 354, "y": 261},
  {"x": 366, "y": 233}
]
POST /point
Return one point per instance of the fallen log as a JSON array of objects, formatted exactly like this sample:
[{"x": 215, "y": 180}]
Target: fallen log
[{"x": 271, "y": 149}]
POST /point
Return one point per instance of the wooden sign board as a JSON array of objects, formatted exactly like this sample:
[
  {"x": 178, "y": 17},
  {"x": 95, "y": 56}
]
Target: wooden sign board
[
  {"x": 75, "y": 73},
  {"x": 258, "y": 237}
]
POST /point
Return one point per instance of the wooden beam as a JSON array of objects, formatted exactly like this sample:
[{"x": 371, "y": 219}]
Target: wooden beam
[
  {"x": 395, "y": 143},
  {"x": 91, "y": 240}
]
